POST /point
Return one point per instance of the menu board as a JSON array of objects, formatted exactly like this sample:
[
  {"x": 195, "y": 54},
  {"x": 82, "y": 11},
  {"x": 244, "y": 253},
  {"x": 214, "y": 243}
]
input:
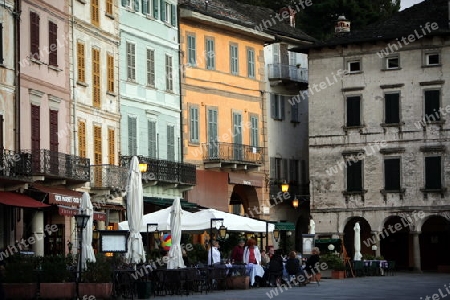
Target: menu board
[{"x": 113, "y": 241}]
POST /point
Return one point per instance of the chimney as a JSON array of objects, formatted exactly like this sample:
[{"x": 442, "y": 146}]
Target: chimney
[{"x": 342, "y": 26}]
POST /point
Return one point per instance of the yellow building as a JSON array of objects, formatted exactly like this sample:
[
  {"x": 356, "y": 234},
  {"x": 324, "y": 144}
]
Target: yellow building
[{"x": 223, "y": 98}]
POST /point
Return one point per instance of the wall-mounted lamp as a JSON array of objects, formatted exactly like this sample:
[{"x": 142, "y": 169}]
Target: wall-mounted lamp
[
  {"x": 143, "y": 168},
  {"x": 295, "y": 203},
  {"x": 284, "y": 186}
]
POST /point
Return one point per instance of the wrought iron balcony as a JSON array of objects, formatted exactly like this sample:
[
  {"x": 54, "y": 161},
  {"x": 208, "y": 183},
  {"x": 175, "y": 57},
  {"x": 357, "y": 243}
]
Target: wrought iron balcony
[
  {"x": 220, "y": 155},
  {"x": 15, "y": 165},
  {"x": 164, "y": 171},
  {"x": 108, "y": 177},
  {"x": 288, "y": 73},
  {"x": 57, "y": 165}
]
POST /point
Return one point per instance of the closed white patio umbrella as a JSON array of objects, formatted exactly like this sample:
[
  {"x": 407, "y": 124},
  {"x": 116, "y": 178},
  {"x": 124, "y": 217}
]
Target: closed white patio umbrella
[
  {"x": 175, "y": 254},
  {"x": 357, "y": 229},
  {"x": 87, "y": 250},
  {"x": 135, "y": 252}
]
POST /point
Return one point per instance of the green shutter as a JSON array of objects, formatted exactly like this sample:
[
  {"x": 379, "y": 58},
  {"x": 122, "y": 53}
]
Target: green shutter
[
  {"x": 173, "y": 15},
  {"x": 155, "y": 9},
  {"x": 152, "y": 139},
  {"x": 162, "y": 6}
]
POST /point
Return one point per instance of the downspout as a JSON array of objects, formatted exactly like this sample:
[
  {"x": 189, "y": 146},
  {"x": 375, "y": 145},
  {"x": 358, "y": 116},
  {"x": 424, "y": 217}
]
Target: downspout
[
  {"x": 16, "y": 16},
  {"x": 74, "y": 83},
  {"x": 180, "y": 73}
]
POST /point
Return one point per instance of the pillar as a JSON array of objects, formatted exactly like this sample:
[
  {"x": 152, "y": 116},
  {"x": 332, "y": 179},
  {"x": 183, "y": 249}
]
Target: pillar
[
  {"x": 101, "y": 224},
  {"x": 416, "y": 251},
  {"x": 37, "y": 227}
]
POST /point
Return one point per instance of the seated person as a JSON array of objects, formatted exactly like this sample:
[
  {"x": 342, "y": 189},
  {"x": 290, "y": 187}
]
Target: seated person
[
  {"x": 275, "y": 269},
  {"x": 294, "y": 268}
]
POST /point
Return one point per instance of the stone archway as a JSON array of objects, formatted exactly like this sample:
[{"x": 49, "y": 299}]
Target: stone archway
[
  {"x": 349, "y": 236},
  {"x": 395, "y": 241},
  {"x": 248, "y": 197},
  {"x": 435, "y": 243}
]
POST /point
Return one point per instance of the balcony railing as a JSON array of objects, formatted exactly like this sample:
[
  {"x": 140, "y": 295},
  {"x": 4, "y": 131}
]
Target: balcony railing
[
  {"x": 54, "y": 164},
  {"x": 108, "y": 177},
  {"x": 288, "y": 72},
  {"x": 164, "y": 170},
  {"x": 15, "y": 165},
  {"x": 231, "y": 152}
]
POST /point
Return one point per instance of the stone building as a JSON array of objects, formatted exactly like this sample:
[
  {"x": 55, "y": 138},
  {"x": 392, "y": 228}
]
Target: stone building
[{"x": 379, "y": 136}]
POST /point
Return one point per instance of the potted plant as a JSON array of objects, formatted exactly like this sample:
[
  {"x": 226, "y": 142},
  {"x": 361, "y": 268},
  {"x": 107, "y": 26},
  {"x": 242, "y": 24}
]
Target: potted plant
[
  {"x": 334, "y": 264},
  {"x": 97, "y": 278}
]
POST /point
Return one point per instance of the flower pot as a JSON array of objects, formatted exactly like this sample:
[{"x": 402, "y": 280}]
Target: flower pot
[
  {"x": 337, "y": 274},
  {"x": 239, "y": 282}
]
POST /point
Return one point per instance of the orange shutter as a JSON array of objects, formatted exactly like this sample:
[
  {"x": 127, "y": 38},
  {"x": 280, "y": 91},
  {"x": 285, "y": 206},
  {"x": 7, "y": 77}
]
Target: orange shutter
[
  {"x": 111, "y": 148},
  {"x": 96, "y": 77},
  {"x": 94, "y": 12},
  {"x": 82, "y": 139},
  {"x": 110, "y": 67},
  {"x": 98, "y": 155},
  {"x": 80, "y": 63},
  {"x": 109, "y": 7}
]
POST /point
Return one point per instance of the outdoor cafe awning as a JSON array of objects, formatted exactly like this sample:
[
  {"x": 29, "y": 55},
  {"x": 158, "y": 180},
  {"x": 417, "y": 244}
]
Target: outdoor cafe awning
[
  {"x": 166, "y": 202},
  {"x": 59, "y": 196},
  {"x": 20, "y": 200},
  {"x": 288, "y": 226}
]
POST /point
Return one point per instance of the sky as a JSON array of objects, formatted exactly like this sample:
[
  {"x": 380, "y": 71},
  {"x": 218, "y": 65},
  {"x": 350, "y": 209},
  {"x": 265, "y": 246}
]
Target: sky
[{"x": 407, "y": 3}]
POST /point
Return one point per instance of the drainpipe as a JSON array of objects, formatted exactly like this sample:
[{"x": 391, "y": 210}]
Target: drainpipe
[
  {"x": 74, "y": 83},
  {"x": 180, "y": 73},
  {"x": 16, "y": 28}
]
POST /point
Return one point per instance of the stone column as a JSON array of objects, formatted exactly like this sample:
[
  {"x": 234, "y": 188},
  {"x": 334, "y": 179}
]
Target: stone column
[
  {"x": 416, "y": 251},
  {"x": 101, "y": 224},
  {"x": 37, "y": 226}
]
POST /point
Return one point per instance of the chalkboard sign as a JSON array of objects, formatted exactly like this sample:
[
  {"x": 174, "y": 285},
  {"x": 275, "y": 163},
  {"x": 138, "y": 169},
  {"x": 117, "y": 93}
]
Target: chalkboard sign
[{"x": 113, "y": 241}]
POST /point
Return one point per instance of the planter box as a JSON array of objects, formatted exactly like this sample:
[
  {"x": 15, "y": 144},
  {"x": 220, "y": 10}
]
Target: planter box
[
  {"x": 98, "y": 290},
  {"x": 337, "y": 274},
  {"x": 20, "y": 290},
  {"x": 239, "y": 282},
  {"x": 326, "y": 273},
  {"x": 64, "y": 290},
  {"x": 443, "y": 269}
]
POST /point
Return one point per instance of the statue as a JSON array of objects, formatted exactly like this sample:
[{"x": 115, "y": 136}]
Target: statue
[{"x": 312, "y": 226}]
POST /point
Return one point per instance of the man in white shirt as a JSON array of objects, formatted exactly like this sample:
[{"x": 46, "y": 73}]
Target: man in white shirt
[{"x": 215, "y": 253}]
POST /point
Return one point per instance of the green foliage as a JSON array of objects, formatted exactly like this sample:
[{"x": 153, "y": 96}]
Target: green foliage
[
  {"x": 100, "y": 271},
  {"x": 333, "y": 261},
  {"x": 197, "y": 254}
]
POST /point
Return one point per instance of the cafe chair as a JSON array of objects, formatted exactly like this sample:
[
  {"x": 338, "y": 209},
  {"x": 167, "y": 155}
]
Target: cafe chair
[
  {"x": 391, "y": 268},
  {"x": 358, "y": 267}
]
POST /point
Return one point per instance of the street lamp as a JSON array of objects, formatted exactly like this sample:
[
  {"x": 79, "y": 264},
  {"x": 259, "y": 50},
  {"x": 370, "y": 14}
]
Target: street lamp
[
  {"x": 284, "y": 186},
  {"x": 143, "y": 168},
  {"x": 276, "y": 235},
  {"x": 150, "y": 226},
  {"x": 222, "y": 232},
  {"x": 81, "y": 220},
  {"x": 295, "y": 202}
]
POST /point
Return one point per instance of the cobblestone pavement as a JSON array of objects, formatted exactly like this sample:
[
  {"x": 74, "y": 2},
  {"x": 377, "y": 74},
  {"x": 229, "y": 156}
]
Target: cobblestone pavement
[{"x": 400, "y": 286}]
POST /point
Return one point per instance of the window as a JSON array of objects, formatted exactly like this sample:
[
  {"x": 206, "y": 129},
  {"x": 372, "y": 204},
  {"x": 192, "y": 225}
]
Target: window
[
  {"x": 52, "y": 44},
  {"x": 163, "y": 10},
  {"x": 193, "y": 124},
  {"x": 168, "y": 10},
  {"x": 392, "y": 108},
  {"x": 191, "y": 51},
  {"x": 98, "y": 155},
  {"x": 155, "y": 9},
  {"x": 278, "y": 169},
  {"x": 251, "y": 63},
  {"x": 53, "y": 132},
  {"x": 169, "y": 79},
  {"x": 110, "y": 71},
  {"x": 34, "y": 35},
  {"x": 353, "y": 111},
  {"x": 234, "y": 65},
  {"x": 210, "y": 54},
  {"x": 96, "y": 77},
  {"x": 1, "y": 45},
  {"x": 213, "y": 147},
  {"x": 111, "y": 146},
  {"x": 254, "y": 132},
  {"x": 95, "y": 12},
  {"x": 432, "y": 104},
  {"x": 173, "y": 15},
  {"x": 237, "y": 137},
  {"x": 81, "y": 139},
  {"x": 277, "y": 106},
  {"x": 392, "y": 174},
  {"x": 36, "y": 131},
  {"x": 354, "y": 176},
  {"x": 294, "y": 170},
  {"x": 146, "y": 4},
  {"x": 392, "y": 62},
  {"x": 80, "y": 63},
  {"x": 170, "y": 143},
  {"x": 432, "y": 59},
  {"x": 295, "y": 118},
  {"x": 132, "y": 136},
  {"x": 152, "y": 137},
  {"x": 150, "y": 67},
  {"x": 354, "y": 66},
  {"x": 109, "y": 7},
  {"x": 433, "y": 173},
  {"x": 131, "y": 61}
]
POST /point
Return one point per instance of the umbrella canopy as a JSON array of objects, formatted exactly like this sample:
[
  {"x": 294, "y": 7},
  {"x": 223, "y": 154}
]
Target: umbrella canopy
[
  {"x": 175, "y": 254},
  {"x": 135, "y": 210},
  {"x": 357, "y": 230},
  {"x": 87, "y": 252}
]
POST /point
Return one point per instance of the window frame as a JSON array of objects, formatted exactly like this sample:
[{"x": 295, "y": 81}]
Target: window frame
[
  {"x": 151, "y": 64},
  {"x": 81, "y": 62},
  {"x": 388, "y": 179},
  {"x": 441, "y": 177},
  {"x": 277, "y": 106},
  {"x": 191, "y": 49},
  {"x": 110, "y": 86},
  {"x": 169, "y": 72},
  {"x": 171, "y": 147},
  {"x": 347, "y": 111},
  {"x": 385, "y": 121},
  {"x": 132, "y": 140},
  {"x": 388, "y": 59},
  {"x": 95, "y": 12},
  {"x": 254, "y": 131},
  {"x": 349, "y": 168},
  {"x": 349, "y": 62},
  {"x": 53, "y": 43},
  {"x": 234, "y": 60},
  {"x": 35, "y": 38},
  {"x": 152, "y": 146},
  {"x": 426, "y": 56},
  {"x": 251, "y": 63},
  {"x": 96, "y": 77},
  {"x": 109, "y": 10},
  {"x": 194, "y": 124},
  {"x": 131, "y": 61},
  {"x": 210, "y": 59},
  {"x": 436, "y": 120}
]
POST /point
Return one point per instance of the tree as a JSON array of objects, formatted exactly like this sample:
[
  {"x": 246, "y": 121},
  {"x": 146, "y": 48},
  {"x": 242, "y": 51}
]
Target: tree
[{"x": 319, "y": 18}]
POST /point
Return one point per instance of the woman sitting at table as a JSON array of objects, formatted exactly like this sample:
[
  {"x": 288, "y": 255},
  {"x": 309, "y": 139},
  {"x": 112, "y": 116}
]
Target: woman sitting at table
[{"x": 251, "y": 253}]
